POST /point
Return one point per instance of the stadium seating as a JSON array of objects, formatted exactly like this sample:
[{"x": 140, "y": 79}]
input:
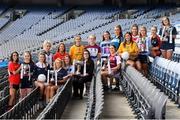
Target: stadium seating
[
  {"x": 96, "y": 98},
  {"x": 56, "y": 107},
  {"x": 28, "y": 33},
  {"x": 31, "y": 30},
  {"x": 146, "y": 100},
  {"x": 166, "y": 75}
]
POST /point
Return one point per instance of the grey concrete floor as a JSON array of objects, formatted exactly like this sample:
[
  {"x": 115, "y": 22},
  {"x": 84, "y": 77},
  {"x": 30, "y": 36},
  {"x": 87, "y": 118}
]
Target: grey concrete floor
[
  {"x": 75, "y": 109},
  {"x": 116, "y": 107},
  {"x": 172, "y": 110}
]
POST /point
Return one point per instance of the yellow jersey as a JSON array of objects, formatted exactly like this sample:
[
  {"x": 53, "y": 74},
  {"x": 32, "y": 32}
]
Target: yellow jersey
[
  {"x": 131, "y": 48},
  {"x": 76, "y": 52}
]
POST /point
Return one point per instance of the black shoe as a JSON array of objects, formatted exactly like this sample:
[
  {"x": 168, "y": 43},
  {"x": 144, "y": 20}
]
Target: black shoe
[{"x": 105, "y": 88}]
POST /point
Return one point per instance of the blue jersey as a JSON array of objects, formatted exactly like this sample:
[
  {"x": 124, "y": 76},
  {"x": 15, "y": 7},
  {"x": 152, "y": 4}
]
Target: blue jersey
[{"x": 116, "y": 41}]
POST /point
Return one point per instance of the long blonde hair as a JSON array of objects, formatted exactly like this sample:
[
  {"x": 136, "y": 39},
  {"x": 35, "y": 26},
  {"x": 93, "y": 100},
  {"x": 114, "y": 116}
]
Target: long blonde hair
[{"x": 58, "y": 60}]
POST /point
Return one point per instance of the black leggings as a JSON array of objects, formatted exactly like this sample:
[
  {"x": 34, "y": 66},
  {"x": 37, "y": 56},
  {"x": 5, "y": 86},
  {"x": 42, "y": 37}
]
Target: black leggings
[{"x": 78, "y": 84}]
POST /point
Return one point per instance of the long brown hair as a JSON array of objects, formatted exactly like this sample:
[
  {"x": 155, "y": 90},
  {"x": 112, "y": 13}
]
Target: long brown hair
[
  {"x": 28, "y": 52},
  {"x": 119, "y": 27},
  {"x": 136, "y": 26},
  {"x": 11, "y": 57},
  {"x": 89, "y": 59},
  {"x": 59, "y": 47},
  {"x": 107, "y": 33},
  {"x": 125, "y": 42}
]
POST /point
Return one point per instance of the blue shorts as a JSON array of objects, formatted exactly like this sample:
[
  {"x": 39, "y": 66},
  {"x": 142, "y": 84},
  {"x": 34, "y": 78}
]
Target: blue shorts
[
  {"x": 167, "y": 46},
  {"x": 26, "y": 83}
]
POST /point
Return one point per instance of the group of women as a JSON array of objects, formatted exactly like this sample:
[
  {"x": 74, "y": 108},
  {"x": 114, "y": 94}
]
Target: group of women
[{"x": 52, "y": 71}]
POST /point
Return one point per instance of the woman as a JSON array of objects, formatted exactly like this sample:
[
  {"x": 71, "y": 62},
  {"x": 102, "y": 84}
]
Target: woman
[
  {"x": 61, "y": 52},
  {"x": 61, "y": 79},
  {"x": 46, "y": 49},
  {"x": 14, "y": 77},
  {"x": 85, "y": 75},
  {"x": 27, "y": 71},
  {"x": 134, "y": 32},
  {"x": 144, "y": 45},
  {"x": 93, "y": 48},
  {"x": 105, "y": 44},
  {"x": 41, "y": 69},
  {"x": 113, "y": 71},
  {"x": 68, "y": 65},
  {"x": 116, "y": 41},
  {"x": 155, "y": 42},
  {"x": 76, "y": 51},
  {"x": 168, "y": 35},
  {"x": 131, "y": 47}
]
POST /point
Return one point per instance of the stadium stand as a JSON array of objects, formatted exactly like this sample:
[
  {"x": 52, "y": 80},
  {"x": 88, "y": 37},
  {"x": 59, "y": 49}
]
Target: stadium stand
[{"x": 38, "y": 24}]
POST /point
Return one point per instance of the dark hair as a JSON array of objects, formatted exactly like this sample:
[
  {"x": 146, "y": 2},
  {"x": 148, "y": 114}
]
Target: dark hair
[
  {"x": 131, "y": 41},
  {"x": 113, "y": 46},
  {"x": 64, "y": 47},
  {"x": 134, "y": 25},
  {"x": 107, "y": 33},
  {"x": 31, "y": 61},
  {"x": 89, "y": 59},
  {"x": 11, "y": 57},
  {"x": 69, "y": 59},
  {"x": 42, "y": 53},
  {"x": 119, "y": 26}
]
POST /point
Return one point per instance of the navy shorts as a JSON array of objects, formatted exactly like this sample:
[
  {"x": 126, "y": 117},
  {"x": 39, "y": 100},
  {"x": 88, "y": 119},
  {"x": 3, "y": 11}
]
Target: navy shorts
[
  {"x": 167, "y": 46},
  {"x": 142, "y": 58},
  {"x": 26, "y": 83},
  {"x": 16, "y": 87}
]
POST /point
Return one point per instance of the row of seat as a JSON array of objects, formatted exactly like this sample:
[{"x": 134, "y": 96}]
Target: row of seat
[
  {"x": 96, "y": 98},
  {"x": 25, "y": 108},
  {"x": 166, "y": 75},
  {"x": 176, "y": 57},
  {"x": 146, "y": 100},
  {"x": 3, "y": 21},
  {"x": 55, "y": 108}
]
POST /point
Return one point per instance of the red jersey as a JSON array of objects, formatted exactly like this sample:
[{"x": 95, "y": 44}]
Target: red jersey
[
  {"x": 59, "y": 55},
  {"x": 13, "y": 79}
]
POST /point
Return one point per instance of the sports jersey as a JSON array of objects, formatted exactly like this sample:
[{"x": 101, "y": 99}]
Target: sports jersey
[
  {"x": 13, "y": 79},
  {"x": 40, "y": 68},
  {"x": 130, "y": 48},
  {"x": 49, "y": 58},
  {"x": 114, "y": 60},
  {"x": 59, "y": 55},
  {"x": 105, "y": 48},
  {"x": 155, "y": 42},
  {"x": 94, "y": 50},
  {"x": 76, "y": 52},
  {"x": 27, "y": 71},
  {"x": 116, "y": 41},
  {"x": 166, "y": 34},
  {"x": 135, "y": 38}
]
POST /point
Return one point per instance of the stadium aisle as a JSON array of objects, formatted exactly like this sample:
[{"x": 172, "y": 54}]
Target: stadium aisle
[
  {"x": 75, "y": 109},
  {"x": 116, "y": 107},
  {"x": 172, "y": 110}
]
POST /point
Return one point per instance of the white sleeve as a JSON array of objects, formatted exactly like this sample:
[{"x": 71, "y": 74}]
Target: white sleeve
[{"x": 118, "y": 60}]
